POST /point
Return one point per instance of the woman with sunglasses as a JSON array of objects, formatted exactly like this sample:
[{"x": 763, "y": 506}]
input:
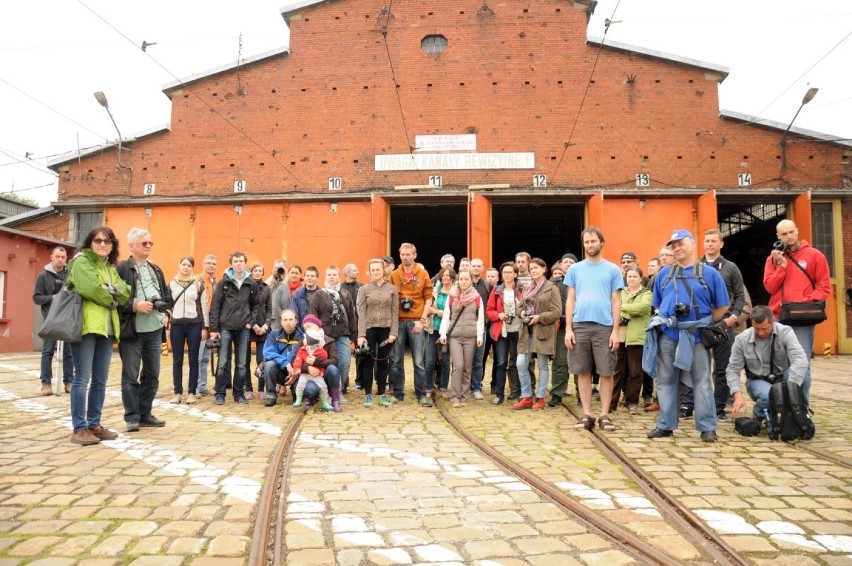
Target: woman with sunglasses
[{"x": 92, "y": 274}]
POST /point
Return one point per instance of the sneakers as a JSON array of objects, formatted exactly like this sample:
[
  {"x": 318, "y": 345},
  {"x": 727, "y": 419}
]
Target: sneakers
[
  {"x": 538, "y": 405},
  {"x": 190, "y": 399},
  {"x": 659, "y": 433},
  {"x": 103, "y": 433},
  {"x": 218, "y": 399},
  {"x": 425, "y": 402},
  {"x": 384, "y": 401},
  {"x": 633, "y": 409},
  {"x": 84, "y": 437},
  {"x": 596, "y": 395},
  {"x": 132, "y": 426},
  {"x": 262, "y": 395},
  {"x": 151, "y": 421},
  {"x": 722, "y": 416},
  {"x": 497, "y": 401},
  {"x": 524, "y": 403},
  {"x": 68, "y": 387},
  {"x": 202, "y": 391},
  {"x": 46, "y": 390},
  {"x": 368, "y": 399},
  {"x": 709, "y": 436},
  {"x": 249, "y": 395},
  {"x": 242, "y": 400},
  {"x": 478, "y": 395},
  {"x": 175, "y": 399},
  {"x": 270, "y": 401},
  {"x": 686, "y": 412}
]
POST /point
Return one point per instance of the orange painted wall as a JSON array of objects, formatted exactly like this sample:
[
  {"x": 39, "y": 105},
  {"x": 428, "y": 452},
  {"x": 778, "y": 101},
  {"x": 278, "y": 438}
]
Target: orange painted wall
[
  {"x": 304, "y": 233},
  {"x": 479, "y": 227},
  {"x": 628, "y": 226}
]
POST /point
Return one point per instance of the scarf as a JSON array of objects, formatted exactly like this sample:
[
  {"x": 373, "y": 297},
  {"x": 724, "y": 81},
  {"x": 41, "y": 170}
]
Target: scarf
[
  {"x": 333, "y": 290},
  {"x": 531, "y": 291},
  {"x": 465, "y": 298},
  {"x": 184, "y": 280}
]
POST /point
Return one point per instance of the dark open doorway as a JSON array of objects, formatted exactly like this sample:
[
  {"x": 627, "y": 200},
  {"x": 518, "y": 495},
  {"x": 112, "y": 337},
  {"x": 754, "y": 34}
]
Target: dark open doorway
[
  {"x": 435, "y": 229},
  {"x": 543, "y": 229},
  {"x": 749, "y": 231}
]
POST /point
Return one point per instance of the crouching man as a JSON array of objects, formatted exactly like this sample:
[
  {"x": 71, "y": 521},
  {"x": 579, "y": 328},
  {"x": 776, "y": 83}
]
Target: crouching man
[
  {"x": 278, "y": 353},
  {"x": 768, "y": 352}
]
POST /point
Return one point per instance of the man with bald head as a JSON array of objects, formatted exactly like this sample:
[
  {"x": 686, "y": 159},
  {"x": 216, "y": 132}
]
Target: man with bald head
[{"x": 796, "y": 273}]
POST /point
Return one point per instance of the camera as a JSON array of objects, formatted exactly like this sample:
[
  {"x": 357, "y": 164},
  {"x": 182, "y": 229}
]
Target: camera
[
  {"x": 624, "y": 321},
  {"x": 527, "y": 320},
  {"x": 213, "y": 344},
  {"x": 510, "y": 319},
  {"x": 280, "y": 271},
  {"x": 406, "y": 304},
  {"x": 780, "y": 246},
  {"x": 681, "y": 310},
  {"x": 362, "y": 351},
  {"x": 161, "y": 306}
]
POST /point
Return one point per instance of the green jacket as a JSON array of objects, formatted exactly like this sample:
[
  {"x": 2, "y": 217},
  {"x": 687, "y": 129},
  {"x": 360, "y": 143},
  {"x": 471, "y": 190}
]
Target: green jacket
[
  {"x": 637, "y": 310},
  {"x": 87, "y": 275}
]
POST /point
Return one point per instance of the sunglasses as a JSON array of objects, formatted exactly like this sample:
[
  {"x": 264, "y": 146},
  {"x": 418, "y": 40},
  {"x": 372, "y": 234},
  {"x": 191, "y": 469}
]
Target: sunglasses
[
  {"x": 147, "y": 244},
  {"x": 101, "y": 241}
]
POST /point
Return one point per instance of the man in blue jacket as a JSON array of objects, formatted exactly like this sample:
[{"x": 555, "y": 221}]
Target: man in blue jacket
[{"x": 278, "y": 353}]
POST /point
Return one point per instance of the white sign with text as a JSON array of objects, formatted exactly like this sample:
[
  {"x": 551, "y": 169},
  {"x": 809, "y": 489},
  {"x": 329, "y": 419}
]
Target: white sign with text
[
  {"x": 453, "y": 142},
  {"x": 458, "y": 161}
]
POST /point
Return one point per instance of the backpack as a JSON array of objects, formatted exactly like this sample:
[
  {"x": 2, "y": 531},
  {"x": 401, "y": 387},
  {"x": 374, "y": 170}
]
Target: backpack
[{"x": 789, "y": 416}]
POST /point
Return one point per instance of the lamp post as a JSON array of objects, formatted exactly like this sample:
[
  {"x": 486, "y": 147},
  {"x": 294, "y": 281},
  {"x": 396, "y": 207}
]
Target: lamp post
[
  {"x": 807, "y": 98},
  {"x": 102, "y": 100}
]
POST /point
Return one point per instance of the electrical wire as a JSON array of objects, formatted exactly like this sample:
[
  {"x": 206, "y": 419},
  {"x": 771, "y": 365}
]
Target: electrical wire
[
  {"x": 27, "y": 162},
  {"x": 396, "y": 89},
  {"x": 202, "y": 100},
  {"x": 585, "y": 93}
]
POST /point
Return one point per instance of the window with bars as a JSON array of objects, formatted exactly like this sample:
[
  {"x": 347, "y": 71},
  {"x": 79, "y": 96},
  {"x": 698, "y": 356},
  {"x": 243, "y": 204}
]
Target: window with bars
[
  {"x": 85, "y": 222},
  {"x": 433, "y": 43},
  {"x": 822, "y": 229}
]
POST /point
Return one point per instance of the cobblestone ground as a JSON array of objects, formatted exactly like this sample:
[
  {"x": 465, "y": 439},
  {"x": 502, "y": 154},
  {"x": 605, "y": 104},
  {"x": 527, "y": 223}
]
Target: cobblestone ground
[{"x": 396, "y": 486}]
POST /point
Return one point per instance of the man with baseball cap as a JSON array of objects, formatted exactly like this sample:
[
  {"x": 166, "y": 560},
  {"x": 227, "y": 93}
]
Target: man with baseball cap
[{"x": 687, "y": 296}]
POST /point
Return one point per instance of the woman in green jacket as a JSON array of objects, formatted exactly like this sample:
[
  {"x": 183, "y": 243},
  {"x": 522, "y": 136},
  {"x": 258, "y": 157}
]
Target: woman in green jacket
[
  {"x": 635, "y": 313},
  {"x": 92, "y": 274}
]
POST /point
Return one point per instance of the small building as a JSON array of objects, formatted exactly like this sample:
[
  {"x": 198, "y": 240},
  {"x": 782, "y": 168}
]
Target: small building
[{"x": 22, "y": 257}]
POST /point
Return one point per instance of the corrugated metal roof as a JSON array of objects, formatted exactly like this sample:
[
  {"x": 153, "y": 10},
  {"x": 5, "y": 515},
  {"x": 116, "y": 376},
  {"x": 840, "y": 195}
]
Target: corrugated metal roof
[
  {"x": 69, "y": 156},
  {"x": 779, "y": 126}
]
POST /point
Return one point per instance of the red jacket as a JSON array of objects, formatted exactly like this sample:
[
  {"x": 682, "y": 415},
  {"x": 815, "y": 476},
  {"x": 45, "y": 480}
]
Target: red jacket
[
  {"x": 495, "y": 307},
  {"x": 789, "y": 284}
]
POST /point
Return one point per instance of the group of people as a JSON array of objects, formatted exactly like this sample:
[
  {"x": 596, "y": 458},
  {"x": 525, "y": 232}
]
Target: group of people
[{"x": 615, "y": 328}]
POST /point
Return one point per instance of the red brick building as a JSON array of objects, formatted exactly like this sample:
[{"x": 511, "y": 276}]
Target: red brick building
[{"x": 465, "y": 127}]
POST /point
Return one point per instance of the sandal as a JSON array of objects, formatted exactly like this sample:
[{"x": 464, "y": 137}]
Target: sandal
[
  {"x": 606, "y": 423},
  {"x": 586, "y": 421}
]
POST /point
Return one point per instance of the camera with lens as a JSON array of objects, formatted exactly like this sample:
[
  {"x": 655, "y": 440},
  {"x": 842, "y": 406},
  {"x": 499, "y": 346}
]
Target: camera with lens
[
  {"x": 159, "y": 304},
  {"x": 681, "y": 310},
  {"x": 362, "y": 351},
  {"x": 780, "y": 246},
  {"x": 510, "y": 319},
  {"x": 280, "y": 271},
  {"x": 624, "y": 321},
  {"x": 213, "y": 344},
  {"x": 406, "y": 304}
]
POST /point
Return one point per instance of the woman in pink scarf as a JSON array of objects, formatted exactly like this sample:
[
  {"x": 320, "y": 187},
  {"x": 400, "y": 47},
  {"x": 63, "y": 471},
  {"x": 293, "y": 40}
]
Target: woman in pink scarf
[{"x": 463, "y": 323}]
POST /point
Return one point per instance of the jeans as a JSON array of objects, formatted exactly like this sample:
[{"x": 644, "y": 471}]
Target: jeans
[
  {"x": 478, "y": 369},
  {"x": 805, "y": 336},
  {"x": 273, "y": 376},
  {"x": 47, "y": 351},
  {"x": 189, "y": 335},
  {"x": 138, "y": 389},
  {"x": 432, "y": 348},
  {"x": 238, "y": 340},
  {"x": 203, "y": 362},
  {"x": 668, "y": 382},
  {"x": 258, "y": 342},
  {"x": 524, "y": 371},
  {"x": 91, "y": 358},
  {"x": 501, "y": 361},
  {"x": 397, "y": 370},
  {"x": 758, "y": 390},
  {"x": 344, "y": 356}
]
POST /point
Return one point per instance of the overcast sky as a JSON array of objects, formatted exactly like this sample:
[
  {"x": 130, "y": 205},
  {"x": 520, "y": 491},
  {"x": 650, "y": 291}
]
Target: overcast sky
[{"x": 54, "y": 54}]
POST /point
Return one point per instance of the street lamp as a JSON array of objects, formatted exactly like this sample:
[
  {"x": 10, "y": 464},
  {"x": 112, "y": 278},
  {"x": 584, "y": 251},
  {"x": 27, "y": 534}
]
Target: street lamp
[
  {"x": 807, "y": 98},
  {"x": 102, "y": 100}
]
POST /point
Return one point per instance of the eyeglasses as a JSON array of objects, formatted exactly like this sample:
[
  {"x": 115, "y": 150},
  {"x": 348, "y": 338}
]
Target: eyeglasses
[
  {"x": 101, "y": 241},
  {"x": 147, "y": 244},
  {"x": 626, "y": 261}
]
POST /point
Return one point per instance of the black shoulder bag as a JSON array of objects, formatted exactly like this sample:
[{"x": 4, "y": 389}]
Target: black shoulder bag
[{"x": 805, "y": 313}]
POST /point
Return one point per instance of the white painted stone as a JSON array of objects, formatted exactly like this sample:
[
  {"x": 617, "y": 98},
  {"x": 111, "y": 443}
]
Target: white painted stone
[
  {"x": 466, "y": 474},
  {"x": 514, "y": 486},
  {"x": 648, "y": 512},
  {"x": 493, "y": 473},
  {"x": 726, "y": 523},
  {"x": 363, "y": 539},
  {"x": 404, "y": 539},
  {"x": 779, "y": 528},
  {"x": 293, "y": 496},
  {"x": 305, "y": 507},
  {"x": 798, "y": 540},
  {"x": 586, "y": 493},
  {"x": 348, "y": 523},
  {"x": 835, "y": 543},
  {"x": 498, "y": 479},
  {"x": 393, "y": 555},
  {"x": 568, "y": 486},
  {"x": 436, "y": 553},
  {"x": 471, "y": 467},
  {"x": 422, "y": 462}
]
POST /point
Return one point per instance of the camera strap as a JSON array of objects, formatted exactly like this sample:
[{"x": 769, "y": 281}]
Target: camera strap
[
  {"x": 751, "y": 375},
  {"x": 679, "y": 275},
  {"x": 456, "y": 320},
  {"x": 796, "y": 263}
]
